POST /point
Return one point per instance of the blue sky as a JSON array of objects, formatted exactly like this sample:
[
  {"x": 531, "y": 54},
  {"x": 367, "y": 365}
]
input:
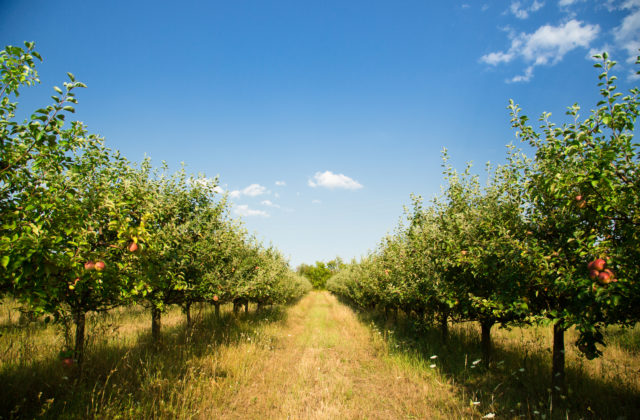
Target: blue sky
[{"x": 320, "y": 118}]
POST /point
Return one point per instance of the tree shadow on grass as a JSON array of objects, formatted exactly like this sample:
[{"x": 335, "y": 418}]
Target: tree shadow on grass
[
  {"x": 120, "y": 374},
  {"x": 517, "y": 384}
]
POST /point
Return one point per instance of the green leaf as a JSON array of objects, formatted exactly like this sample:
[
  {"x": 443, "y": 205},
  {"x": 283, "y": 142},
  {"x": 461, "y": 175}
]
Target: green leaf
[{"x": 4, "y": 261}]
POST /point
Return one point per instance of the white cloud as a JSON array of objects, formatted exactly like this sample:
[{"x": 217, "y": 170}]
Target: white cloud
[
  {"x": 627, "y": 34},
  {"x": 528, "y": 73},
  {"x": 252, "y": 190},
  {"x": 244, "y": 211},
  {"x": 566, "y": 3},
  {"x": 523, "y": 12},
  {"x": 485, "y": 7},
  {"x": 546, "y": 46},
  {"x": 316, "y": 202},
  {"x": 496, "y": 58},
  {"x": 269, "y": 203},
  {"x": 280, "y": 183},
  {"x": 330, "y": 180}
]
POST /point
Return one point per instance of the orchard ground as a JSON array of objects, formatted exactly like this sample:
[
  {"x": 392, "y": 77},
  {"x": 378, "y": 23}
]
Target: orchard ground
[{"x": 314, "y": 360}]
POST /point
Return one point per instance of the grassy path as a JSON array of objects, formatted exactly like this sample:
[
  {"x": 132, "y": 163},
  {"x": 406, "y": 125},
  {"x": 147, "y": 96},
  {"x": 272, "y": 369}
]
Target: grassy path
[{"x": 325, "y": 364}]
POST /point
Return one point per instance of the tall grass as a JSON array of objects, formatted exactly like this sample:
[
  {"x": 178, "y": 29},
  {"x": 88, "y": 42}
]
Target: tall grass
[
  {"x": 125, "y": 375},
  {"x": 517, "y": 383}
]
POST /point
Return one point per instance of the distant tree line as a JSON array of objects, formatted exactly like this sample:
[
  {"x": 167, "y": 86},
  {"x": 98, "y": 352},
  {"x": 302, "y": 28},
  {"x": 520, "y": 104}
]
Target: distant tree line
[{"x": 319, "y": 273}]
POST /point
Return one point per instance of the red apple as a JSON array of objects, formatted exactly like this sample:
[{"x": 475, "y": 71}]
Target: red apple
[
  {"x": 89, "y": 265},
  {"x": 605, "y": 277},
  {"x": 133, "y": 247},
  {"x": 215, "y": 298},
  {"x": 597, "y": 264},
  {"x": 593, "y": 274},
  {"x": 67, "y": 361},
  {"x": 578, "y": 198},
  {"x": 100, "y": 265}
]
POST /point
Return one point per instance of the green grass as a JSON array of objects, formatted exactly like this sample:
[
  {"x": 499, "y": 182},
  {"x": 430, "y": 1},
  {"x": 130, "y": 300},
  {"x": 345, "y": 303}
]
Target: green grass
[
  {"x": 124, "y": 375},
  {"x": 517, "y": 384}
]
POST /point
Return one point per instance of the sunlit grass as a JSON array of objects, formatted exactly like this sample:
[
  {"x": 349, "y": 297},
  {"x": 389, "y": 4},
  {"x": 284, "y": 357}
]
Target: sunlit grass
[
  {"x": 124, "y": 375},
  {"x": 316, "y": 359},
  {"x": 517, "y": 384}
]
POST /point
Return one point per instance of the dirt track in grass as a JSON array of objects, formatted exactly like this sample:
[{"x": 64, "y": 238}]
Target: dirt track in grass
[{"x": 325, "y": 364}]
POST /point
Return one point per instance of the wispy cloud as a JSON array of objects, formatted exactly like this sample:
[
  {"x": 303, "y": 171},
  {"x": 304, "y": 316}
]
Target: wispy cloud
[
  {"x": 244, "y": 210},
  {"x": 316, "y": 202},
  {"x": 280, "y": 183},
  {"x": 567, "y": 3},
  {"x": 252, "y": 190},
  {"x": 269, "y": 203},
  {"x": 546, "y": 46},
  {"x": 627, "y": 34},
  {"x": 521, "y": 11},
  {"x": 328, "y": 179}
]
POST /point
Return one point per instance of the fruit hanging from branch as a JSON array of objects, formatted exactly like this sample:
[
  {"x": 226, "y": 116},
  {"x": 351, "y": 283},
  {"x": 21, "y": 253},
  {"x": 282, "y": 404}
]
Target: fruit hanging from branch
[{"x": 597, "y": 264}]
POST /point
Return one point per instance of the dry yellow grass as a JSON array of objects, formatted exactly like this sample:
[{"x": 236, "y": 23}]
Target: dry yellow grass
[
  {"x": 314, "y": 360},
  {"x": 326, "y": 366}
]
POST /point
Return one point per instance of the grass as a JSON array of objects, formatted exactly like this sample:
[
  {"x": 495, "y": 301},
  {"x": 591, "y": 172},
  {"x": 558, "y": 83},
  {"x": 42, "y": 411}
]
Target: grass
[
  {"x": 124, "y": 376},
  {"x": 312, "y": 360},
  {"x": 317, "y": 359},
  {"x": 517, "y": 384}
]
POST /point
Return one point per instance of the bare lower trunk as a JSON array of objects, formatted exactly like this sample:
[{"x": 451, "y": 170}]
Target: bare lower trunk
[
  {"x": 246, "y": 307},
  {"x": 155, "y": 325},
  {"x": 557, "y": 368},
  {"x": 187, "y": 312},
  {"x": 444, "y": 326},
  {"x": 216, "y": 305},
  {"x": 485, "y": 342},
  {"x": 79, "y": 319}
]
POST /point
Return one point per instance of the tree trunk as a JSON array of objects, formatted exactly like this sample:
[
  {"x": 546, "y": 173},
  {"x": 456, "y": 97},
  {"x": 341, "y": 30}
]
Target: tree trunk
[
  {"x": 485, "y": 341},
  {"x": 216, "y": 305},
  {"x": 236, "y": 307},
  {"x": 444, "y": 326},
  {"x": 187, "y": 311},
  {"x": 79, "y": 320},
  {"x": 155, "y": 324},
  {"x": 246, "y": 307},
  {"x": 259, "y": 307},
  {"x": 557, "y": 369}
]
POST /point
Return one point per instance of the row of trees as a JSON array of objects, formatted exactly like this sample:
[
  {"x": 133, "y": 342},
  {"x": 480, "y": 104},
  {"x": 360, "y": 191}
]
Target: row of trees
[
  {"x": 320, "y": 272},
  {"x": 84, "y": 230},
  {"x": 549, "y": 239}
]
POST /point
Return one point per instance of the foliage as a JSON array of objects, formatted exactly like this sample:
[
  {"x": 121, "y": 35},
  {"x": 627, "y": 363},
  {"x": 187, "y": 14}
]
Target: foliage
[
  {"x": 524, "y": 248},
  {"x": 84, "y": 230},
  {"x": 319, "y": 273}
]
